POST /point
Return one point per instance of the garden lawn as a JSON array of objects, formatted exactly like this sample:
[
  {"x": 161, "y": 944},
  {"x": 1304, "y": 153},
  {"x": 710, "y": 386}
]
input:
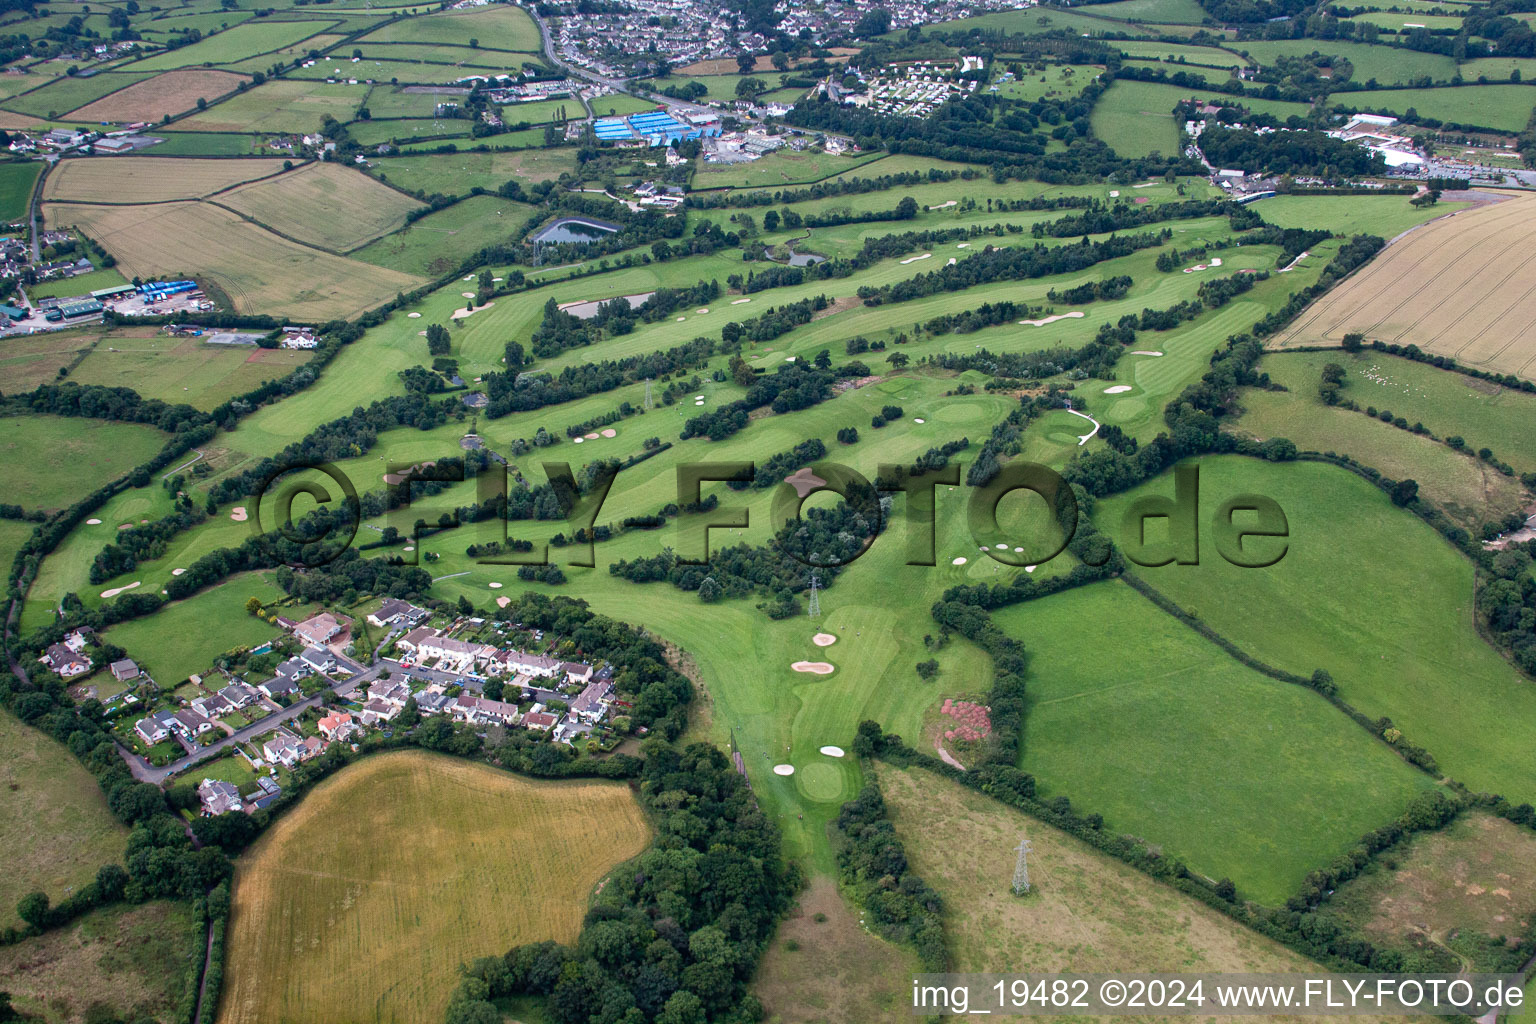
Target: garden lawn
[
  {"x": 1372, "y": 595},
  {"x": 186, "y": 636}
]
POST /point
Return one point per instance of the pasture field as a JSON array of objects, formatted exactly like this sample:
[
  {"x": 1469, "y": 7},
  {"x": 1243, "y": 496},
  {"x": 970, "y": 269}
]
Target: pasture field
[
  {"x": 233, "y": 45},
  {"x": 1170, "y": 12},
  {"x": 1369, "y": 593},
  {"x": 50, "y": 462},
  {"x": 186, "y": 636},
  {"x": 186, "y": 370},
  {"x": 65, "y": 94},
  {"x": 1504, "y": 108},
  {"x": 823, "y": 967},
  {"x": 206, "y": 144},
  {"x": 1452, "y": 288},
  {"x": 149, "y": 179},
  {"x": 257, "y": 269},
  {"x": 1386, "y": 64},
  {"x": 16, "y": 183},
  {"x": 1469, "y": 490},
  {"x": 1027, "y": 21},
  {"x": 13, "y": 534},
  {"x": 1401, "y": 22},
  {"x": 438, "y": 242},
  {"x": 458, "y": 173},
  {"x": 402, "y": 67},
  {"x": 136, "y": 960},
  {"x": 1498, "y": 68},
  {"x": 81, "y": 284},
  {"x": 1136, "y": 118},
  {"x": 1086, "y": 911},
  {"x": 213, "y": 21},
  {"x": 529, "y": 138},
  {"x": 497, "y": 27},
  {"x": 406, "y": 130},
  {"x": 27, "y": 360},
  {"x": 543, "y": 111},
  {"x": 278, "y": 106},
  {"x": 612, "y": 105},
  {"x": 1122, "y": 700},
  {"x": 1386, "y": 216},
  {"x": 1446, "y": 402},
  {"x": 782, "y": 168},
  {"x": 322, "y": 204},
  {"x": 452, "y": 863},
  {"x": 166, "y": 94},
  {"x": 1446, "y": 888},
  {"x": 430, "y": 55},
  {"x": 54, "y": 819},
  {"x": 396, "y": 101},
  {"x": 1204, "y": 56}
]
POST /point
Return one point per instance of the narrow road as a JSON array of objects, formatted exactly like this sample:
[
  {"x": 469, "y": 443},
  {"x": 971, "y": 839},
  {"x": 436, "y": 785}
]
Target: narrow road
[
  {"x": 183, "y": 466},
  {"x": 202, "y": 986},
  {"x": 145, "y": 772}
]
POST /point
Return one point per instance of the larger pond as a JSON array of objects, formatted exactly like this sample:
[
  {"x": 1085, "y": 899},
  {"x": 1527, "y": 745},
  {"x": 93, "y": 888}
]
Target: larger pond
[{"x": 575, "y": 229}]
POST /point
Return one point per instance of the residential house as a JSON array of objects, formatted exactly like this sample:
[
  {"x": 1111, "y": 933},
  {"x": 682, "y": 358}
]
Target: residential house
[
  {"x": 484, "y": 711},
  {"x": 456, "y": 656},
  {"x": 218, "y": 797},
  {"x": 279, "y": 686},
  {"x": 541, "y": 720},
  {"x": 239, "y": 694},
  {"x": 311, "y": 747},
  {"x": 189, "y": 723},
  {"x": 318, "y": 630},
  {"x": 284, "y": 747},
  {"x": 592, "y": 704},
  {"x": 337, "y": 726},
  {"x": 519, "y": 663},
  {"x": 154, "y": 728},
  {"x": 433, "y": 702},
  {"x": 212, "y": 707},
  {"x": 390, "y": 692},
  {"x": 124, "y": 670},
  {"x": 376, "y": 711},
  {"x": 394, "y": 614},
  {"x": 413, "y": 640},
  {"x": 65, "y": 661},
  {"x": 319, "y": 659},
  {"x": 576, "y": 672},
  {"x": 76, "y": 639}
]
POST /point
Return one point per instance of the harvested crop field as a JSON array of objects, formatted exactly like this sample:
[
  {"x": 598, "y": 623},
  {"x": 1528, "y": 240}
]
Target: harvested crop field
[
  {"x": 325, "y": 204},
  {"x": 284, "y": 105},
  {"x": 174, "y": 92},
  {"x": 259, "y": 271},
  {"x": 149, "y": 179},
  {"x": 1455, "y": 287},
  {"x": 453, "y": 861}
]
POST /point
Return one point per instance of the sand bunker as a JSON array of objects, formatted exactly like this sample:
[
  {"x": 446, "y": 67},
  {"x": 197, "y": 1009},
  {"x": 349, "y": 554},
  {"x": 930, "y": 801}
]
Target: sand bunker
[
  {"x": 118, "y": 590},
  {"x": 1118, "y": 389},
  {"x": 958, "y": 560},
  {"x": 820, "y": 668},
  {"x": 1074, "y": 315},
  {"x": 832, "y": 751},
  {"x": 914, "y": 259},
  {"x": 1030, "y": 568},
  {"x": 700, "y": 312},
  {"x": 610, "y": 432},
  {"x": 238, "y": 514},
  {"x": 737, "y": 302},
  {"x": 783, "y": 769},
  {"x": 944, "y": 206},
  {"x": 590, "y": 436},
  {"x": 918, "y": 419},
  {"x": 467, "y": 295},
  {"x": 177, "y": 572},
  {"x": 468, "y": 277},
  {"x": 681, "y": 319},
  {"x": 93, "y": 522},
  {"x": 494, "y": 586},
  {"x": 396, "y": 478},
  {"x": 414, "y": 316},
  {"x": 1216, "y": 262},
  {"x": 804, "y": 481},
  {"x": 502, "y": 602},
  {"x": 1114, "y": 194},
  {"x": 460, "y": 314},
  {"x": 1145, "y": 352},
  {"x": 824, "y": 639},
  {"x": 963, "y": 245},
  {"x": 578, "y": 440},
  {"x": 952, "y": 262}
]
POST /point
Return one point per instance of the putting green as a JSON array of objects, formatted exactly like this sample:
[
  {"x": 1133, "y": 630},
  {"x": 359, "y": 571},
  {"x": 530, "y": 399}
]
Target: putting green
[
  {"x": 823, "y": 781},
  {"x": 960, "y": 412}
]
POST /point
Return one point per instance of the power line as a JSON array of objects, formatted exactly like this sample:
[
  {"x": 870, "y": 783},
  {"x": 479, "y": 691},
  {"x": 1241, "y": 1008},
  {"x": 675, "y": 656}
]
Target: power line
[
  {"x": 1021, "y": 868},
  {"x": 815, "y": 609}
]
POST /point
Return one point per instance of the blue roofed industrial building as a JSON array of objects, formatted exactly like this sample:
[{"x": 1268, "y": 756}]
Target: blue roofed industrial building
[{"x": 656, "y": 127}]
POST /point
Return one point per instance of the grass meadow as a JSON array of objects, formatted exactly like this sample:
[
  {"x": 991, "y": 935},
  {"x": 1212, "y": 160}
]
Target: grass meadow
[
  {"x": 50, "y": 462},
  {"x": 1085, "y": 911},
  {"x": 1386, "y": 64},
  {"x": 1470, "y": 879},
  {"x": 455, "y": 860},
  {"x": 62, "y": 95},
  {"x": 1387, "y": 216},
  {"x": 1136, "y": 118},
  {"x": 186, "y": 370},
  {"x": 149, "y": 179},
  {"x": 1504, "y": 108},
  {"x": 498, "y": 27},
  {"x": 169, "y": 93},
  {"x": 1134, "y": 715},
  {"x": 782, "y": 168},
  {"x": 54, "y": 820},
  {"x": 131, "y": 959},
  {"x": 16, "y": 183},
  {"x": 440, "y": 241},
  {"x": 233, "y": 45},
  {"x": 282, "y": 105},
  {"x": 1372, "y": 595}
]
